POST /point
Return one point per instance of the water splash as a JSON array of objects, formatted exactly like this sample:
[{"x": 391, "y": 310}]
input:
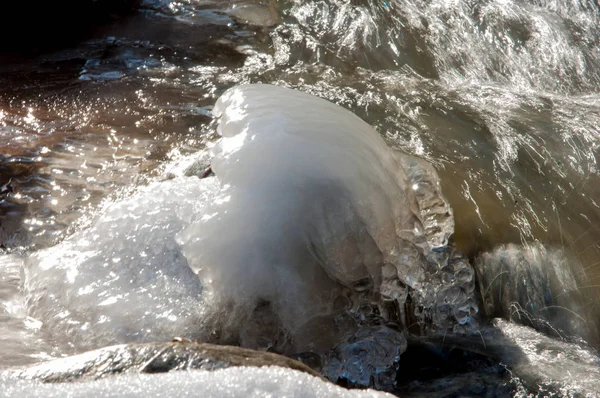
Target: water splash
[{"x": 536, "y": 286}]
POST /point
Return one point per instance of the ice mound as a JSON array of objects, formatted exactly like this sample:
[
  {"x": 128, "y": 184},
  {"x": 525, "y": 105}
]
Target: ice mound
[
  {"x": 312, "y": 236},
  {"x": 231, "y": 383},
  {"x": 319, "y": 192}
]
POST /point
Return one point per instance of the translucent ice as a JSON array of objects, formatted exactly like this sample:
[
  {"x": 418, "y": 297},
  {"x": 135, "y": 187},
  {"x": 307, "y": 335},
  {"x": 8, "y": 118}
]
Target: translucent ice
[
  {"x": 312, "y": 232},
  {"x": 317, "y": 192},
  {"x": 265, "y": 13},
  {"x": 373, "y": 353}
]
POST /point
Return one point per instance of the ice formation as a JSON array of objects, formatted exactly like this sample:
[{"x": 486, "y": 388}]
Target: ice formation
[
  {"x": 312, "y": 232},
  {"x": 372, "y": 219}
]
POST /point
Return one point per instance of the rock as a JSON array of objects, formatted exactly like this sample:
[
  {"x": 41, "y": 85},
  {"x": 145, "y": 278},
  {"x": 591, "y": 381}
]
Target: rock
[
  {"x": 241, "y": 382},
  {"x": 153, "y": 358}
]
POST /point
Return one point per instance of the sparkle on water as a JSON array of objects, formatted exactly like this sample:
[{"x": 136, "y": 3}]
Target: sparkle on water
[{"x": 500, "y": 96}]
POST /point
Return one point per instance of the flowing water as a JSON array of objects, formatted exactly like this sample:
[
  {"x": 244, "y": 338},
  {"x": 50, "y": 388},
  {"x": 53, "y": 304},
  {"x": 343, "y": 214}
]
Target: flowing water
[{"x": 501, "y": 97}]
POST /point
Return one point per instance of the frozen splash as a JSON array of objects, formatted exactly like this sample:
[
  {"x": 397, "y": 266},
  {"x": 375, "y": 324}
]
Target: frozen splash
[{"x": 312, "y": 233}]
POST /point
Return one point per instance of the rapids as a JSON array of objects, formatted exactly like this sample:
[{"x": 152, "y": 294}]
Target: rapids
[{"x": 496, "y": 101}]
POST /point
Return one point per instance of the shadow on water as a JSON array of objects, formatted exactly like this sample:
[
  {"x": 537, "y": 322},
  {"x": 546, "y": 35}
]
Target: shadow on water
[
  {"x": 443, "y": 369},
  {"x": 41, "y": 26},
  {"x": 502, "y": 360}
]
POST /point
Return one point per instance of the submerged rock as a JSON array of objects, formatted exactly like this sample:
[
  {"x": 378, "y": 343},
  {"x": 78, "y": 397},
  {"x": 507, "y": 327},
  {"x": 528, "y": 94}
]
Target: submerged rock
[{"x": 153, "y": 358}]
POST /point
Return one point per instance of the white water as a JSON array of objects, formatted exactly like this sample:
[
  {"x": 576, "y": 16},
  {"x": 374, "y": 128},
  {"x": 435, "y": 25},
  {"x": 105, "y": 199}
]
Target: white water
[{"x": 536, "y": 286}]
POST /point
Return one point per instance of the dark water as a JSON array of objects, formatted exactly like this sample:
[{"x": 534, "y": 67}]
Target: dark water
[{"x": 500, "y": 96}]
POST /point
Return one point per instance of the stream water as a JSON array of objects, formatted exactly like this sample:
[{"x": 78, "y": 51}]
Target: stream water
[{"x": 501, "y": 97}]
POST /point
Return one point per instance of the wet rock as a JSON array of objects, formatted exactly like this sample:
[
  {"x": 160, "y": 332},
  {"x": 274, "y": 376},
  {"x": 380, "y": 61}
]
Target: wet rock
[
  {"x": 526, "y": 360},
  {"x": 153, "y": 358}
]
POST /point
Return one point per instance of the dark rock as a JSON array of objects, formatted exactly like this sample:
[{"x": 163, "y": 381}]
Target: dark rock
[
  {"x": 429, "y": 370},
  {"x": 502, "y": 359},
  {"x": 153, "y": 358},
  {"x": 34, "y": 26}
]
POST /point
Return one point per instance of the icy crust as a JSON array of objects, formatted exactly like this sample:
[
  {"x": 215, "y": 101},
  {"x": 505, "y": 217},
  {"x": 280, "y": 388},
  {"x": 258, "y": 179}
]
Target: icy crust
[
  {"x": 124, "y": 279},
  {"x": 231, "y": 383},
  {"x": 310, "y": 238},
  {"x": 558, "y": 368}
]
